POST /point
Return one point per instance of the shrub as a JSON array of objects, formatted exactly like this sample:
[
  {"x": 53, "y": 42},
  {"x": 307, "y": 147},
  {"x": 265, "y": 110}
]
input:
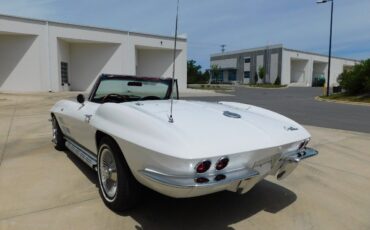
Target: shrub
[
  {"x": 195, "y": 75},
  {"x": 261, "y": 73},
  {"x": 357, "y": 80}
]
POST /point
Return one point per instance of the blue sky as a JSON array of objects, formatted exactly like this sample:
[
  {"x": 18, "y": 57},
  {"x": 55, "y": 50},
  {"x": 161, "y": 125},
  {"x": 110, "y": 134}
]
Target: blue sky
[{"x": 298, "y": 24}]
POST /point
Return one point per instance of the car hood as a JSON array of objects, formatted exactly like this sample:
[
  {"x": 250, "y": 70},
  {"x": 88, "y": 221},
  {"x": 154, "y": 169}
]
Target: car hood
[{"x": 203, "y": 128}]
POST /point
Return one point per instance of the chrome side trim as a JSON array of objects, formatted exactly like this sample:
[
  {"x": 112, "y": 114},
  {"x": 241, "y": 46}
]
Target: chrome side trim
[
  {"x": 188, "y": 181},
  {"x": 85, "y": 155}
]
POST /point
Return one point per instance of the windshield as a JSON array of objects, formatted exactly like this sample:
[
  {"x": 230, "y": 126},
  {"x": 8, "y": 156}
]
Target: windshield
[{"x": 131, "y": 89}]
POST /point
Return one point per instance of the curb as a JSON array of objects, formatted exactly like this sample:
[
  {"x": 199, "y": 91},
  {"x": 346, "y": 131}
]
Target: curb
[
  {"x": 317, "y": 98},
  {"x": 252, "y": 87}
]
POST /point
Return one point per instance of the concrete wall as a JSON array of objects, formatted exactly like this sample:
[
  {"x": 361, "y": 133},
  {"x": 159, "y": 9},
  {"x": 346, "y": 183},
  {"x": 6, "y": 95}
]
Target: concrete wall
[
  {"x": 153, "y": 62},
  {"x": 16, "y": 81},
  {"x": 299, "y": 73},
  {"x": 88, "y": 61},
  {"x": 259, "y": 64},
  {"x": 88, "y": 50},
  {"x": 274, "y": 67},
  {"x": 18, "y": 64},
  {"x": 259, "y": 57},
  {"x": 337, "y": 65},
  {"x": 278, "y": 60},
  {"x": 225, "y": 75},
  {"x": 147, "y": 42},
  {"x": 226, "y": 63}
]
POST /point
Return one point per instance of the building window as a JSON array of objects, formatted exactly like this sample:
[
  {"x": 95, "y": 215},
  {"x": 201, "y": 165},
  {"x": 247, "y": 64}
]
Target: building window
[
  {"x": 247, "y": 60},
  {"x": 64, "y": 72},
  {"x": 232, "y": 75},
  {"x": 247, "y": 74}
]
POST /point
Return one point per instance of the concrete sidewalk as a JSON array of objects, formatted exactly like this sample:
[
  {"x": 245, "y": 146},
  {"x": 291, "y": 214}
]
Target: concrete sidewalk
[{"x": 41, "y": 188}]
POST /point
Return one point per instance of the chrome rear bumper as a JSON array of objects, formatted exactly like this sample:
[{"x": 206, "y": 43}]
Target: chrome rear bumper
[
  {"x": 289, "y": 161},
  {"x": 282, "y": 167},
  {"x": 189, "y": 182}
]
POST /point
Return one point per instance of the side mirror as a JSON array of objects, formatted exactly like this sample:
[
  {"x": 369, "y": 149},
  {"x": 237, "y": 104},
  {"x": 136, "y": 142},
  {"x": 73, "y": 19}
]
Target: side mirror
[{"x": 80, "y": 98}]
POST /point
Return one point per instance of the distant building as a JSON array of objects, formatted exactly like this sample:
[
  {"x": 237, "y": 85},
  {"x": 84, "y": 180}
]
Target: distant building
[
  {"x": 38, "y": 55},
  {"x": 294, "y": 67}
]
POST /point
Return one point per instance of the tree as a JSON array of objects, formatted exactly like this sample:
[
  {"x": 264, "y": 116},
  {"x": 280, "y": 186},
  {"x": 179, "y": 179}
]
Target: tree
[
  {"x": 357, "y": 80},
  {"x": 215, "y": 72},
  {"x": 194, "y": 72},
  {"x": 206, "y": 76},
  {"x": 261, "y": 73}
]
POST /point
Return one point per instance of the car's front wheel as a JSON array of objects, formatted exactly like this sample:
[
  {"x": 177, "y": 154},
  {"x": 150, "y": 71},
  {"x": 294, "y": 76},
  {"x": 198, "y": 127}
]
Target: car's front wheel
[
  {"x": 58, "y": 138},
  {"x": 118, "y": 187}
]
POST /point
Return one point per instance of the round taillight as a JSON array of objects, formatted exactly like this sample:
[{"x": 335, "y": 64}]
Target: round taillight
[
  {"x": 203, "y": 166},
  {"x": 201, "y": 180},
  {"x": 222, "y": 163}
]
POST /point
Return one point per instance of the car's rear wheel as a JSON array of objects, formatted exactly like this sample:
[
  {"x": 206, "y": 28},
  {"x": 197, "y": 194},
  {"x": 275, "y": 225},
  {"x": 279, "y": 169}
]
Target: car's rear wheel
[
  {"x": 58, "y": 138},
  {"x": 118, "y": 187}
]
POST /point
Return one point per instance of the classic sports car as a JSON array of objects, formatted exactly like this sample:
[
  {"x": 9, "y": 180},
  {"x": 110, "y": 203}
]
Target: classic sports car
[{"x": 123, "y": 131}]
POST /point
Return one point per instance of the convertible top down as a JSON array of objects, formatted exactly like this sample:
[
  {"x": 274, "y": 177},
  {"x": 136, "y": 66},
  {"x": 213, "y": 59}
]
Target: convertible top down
[{"x": 123, "y": 131}]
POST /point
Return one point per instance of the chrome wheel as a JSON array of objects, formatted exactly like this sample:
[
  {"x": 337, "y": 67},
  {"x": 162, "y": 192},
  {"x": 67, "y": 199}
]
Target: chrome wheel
[
  {"x": 108, "y": 172},
  {"x": 54, "y": 130},
  {"x": 57, "y": 138}
]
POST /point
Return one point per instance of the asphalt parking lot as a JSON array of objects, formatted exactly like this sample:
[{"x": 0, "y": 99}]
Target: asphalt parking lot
[
  {"x": 298, "y": 103},
  {"x": 41, "y": 188}
]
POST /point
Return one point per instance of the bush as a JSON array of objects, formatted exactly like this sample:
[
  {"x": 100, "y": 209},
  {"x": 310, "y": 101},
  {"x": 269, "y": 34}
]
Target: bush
[
  {"x": 261, "y": 73},
  {"x": 357, "y": 80},
  {"x": 277, "y": 81}
]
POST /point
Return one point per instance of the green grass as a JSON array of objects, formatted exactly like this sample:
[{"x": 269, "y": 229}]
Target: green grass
[
  {"x": 266, "y": 85},
  {"x": 344, "y": 97}
]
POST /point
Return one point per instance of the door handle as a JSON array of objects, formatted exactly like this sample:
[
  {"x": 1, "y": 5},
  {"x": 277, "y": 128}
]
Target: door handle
[{"x": 88, "y": 117}]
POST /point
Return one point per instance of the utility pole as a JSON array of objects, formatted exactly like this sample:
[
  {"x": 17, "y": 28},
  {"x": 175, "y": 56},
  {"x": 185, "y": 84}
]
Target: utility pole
[{"x": 330, "y": 40}]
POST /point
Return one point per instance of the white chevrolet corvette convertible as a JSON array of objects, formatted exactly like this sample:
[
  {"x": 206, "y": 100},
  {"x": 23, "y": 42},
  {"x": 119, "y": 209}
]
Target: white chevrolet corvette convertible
[{"x": 124, "y": 130}]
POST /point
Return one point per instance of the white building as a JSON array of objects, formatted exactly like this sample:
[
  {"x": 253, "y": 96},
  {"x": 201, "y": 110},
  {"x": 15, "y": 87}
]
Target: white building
[
  {"x": 37, "y": 55},
  {"x": 296, "y": 68}
]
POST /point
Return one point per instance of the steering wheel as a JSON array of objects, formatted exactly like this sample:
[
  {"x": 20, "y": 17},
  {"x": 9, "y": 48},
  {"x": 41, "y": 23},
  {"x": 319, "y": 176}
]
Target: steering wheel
[
  {"x": 118, "y": 96},
  {"x": 150, "y": 98}
]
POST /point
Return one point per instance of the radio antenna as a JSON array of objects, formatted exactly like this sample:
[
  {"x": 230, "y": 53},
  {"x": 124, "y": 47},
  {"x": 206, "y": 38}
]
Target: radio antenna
[{"x": 170, "y": 119}]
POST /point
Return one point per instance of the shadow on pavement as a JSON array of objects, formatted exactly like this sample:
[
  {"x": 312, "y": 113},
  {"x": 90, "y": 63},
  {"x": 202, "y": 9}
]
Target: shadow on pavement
[
  {"x": 85, "y": 169},
  {"x": 216, "y": 211}
]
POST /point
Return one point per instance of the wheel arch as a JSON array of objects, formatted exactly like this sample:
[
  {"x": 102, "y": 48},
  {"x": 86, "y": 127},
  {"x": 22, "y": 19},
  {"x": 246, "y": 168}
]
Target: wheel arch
[{"x": 99, "y": 135}]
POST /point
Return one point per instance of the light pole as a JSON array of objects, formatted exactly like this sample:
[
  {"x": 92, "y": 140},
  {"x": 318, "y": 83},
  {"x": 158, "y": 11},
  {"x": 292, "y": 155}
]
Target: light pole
[{"x": 331, "y": 30}]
